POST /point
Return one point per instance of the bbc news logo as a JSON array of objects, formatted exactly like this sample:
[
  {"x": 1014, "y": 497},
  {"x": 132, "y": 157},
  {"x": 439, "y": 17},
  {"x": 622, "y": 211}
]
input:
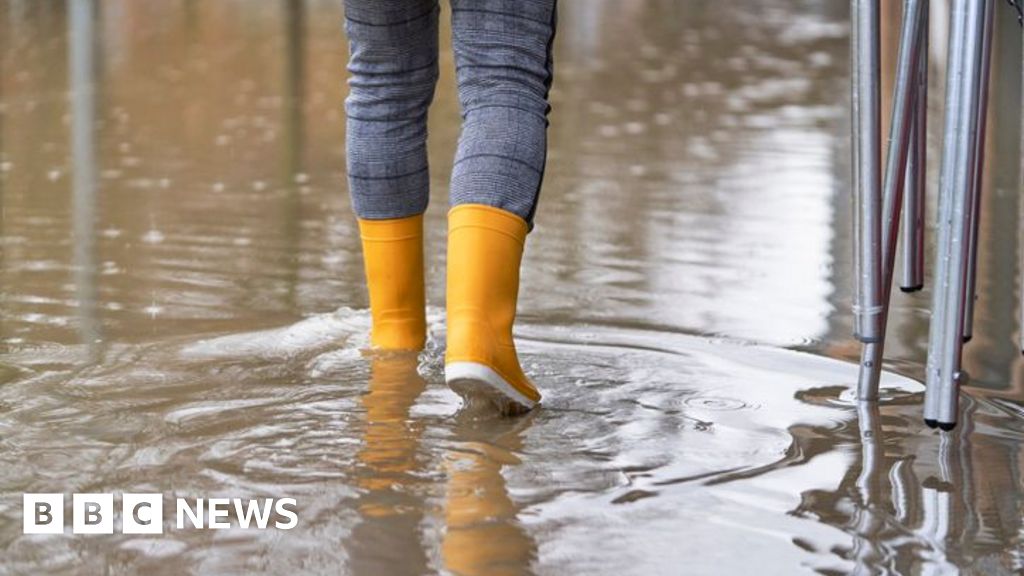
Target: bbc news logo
[{"x": 144, "y": 513}]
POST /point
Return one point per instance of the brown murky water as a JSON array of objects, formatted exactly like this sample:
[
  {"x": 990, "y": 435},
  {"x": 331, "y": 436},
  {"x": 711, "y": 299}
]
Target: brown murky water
[{"x": 182, "y": 309}]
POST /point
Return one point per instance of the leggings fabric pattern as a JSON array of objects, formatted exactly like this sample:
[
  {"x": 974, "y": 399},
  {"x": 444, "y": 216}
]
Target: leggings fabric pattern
[{"x": 503, "y": 66}]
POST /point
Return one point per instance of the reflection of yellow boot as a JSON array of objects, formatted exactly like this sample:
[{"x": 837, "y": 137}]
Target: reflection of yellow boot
[
  {"x": 483, "y": 534},
  {"x": 387, "y": 472},
  {"x": 485, "y": 247},
  {"x": 390, "y": 441},
  {"x": 393, "y": 255}
]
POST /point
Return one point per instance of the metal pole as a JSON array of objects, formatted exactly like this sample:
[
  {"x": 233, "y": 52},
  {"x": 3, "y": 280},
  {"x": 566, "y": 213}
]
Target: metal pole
[
  {"x": 957, "y": 185},
  {"x": 914, "y": 199},
  {"x": 904, "y": 98},
  {"x": 866, "y": 166},
  {"x": 976, "y": 179},
  {"x": 954, "y": 72}
]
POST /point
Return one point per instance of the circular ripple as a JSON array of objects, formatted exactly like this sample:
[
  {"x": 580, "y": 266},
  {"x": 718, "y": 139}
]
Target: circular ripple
[
  {"x": 716, "y": 403},
  {"x": 36, "y": 354}
]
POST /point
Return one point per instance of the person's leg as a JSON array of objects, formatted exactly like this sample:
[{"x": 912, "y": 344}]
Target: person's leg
[
  {"x": 393, "y": 71},
  {"x": 503, "y": 64},
  {"x": 504, "y": 69}
]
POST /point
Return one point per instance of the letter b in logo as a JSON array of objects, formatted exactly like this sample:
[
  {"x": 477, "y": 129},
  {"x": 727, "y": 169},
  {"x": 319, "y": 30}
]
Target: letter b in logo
[
  {"x": 93, "y": 514},
  {"x": 142, "y": 514},
  {"x": 43, "y": 513}
]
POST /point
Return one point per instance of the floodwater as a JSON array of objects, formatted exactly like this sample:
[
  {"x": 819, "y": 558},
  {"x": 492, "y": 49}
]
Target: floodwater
[{"x": 182, "y": 308}]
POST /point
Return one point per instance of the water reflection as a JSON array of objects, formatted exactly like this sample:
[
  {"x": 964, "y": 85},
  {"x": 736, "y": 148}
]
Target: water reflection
[
  {"x": 4, "y": 164},
  {"x": 391, "y": 510},
  {"x": 673, "y": 168},
  {"x": 293, "y": 151},
  {"x": 82, "y": 66},
  {"x": 182, "y": 307},
  {"x": 294, "y": 88},
  {"x": 925, "y": 501},
  {"x": 869, "y": 519},
  {"x": 483, "y": 532}
]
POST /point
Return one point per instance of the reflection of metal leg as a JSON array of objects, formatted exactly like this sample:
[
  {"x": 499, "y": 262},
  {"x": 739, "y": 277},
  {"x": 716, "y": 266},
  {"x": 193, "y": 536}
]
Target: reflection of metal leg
[
  {"x": 904, "y": 491},
  {"x": 294, "y": 88},
  {"x": 914, "y": 199},
  {"x": 938, "y": 523},
  {"x": 978, "y": 167},
  {"x": 81, "y": 67},
  {"x": 866, "y": 168},
  {"x": 895, "y": 168},
  {"x": 945, "y": 341},
  {"x": 868, "y": 517},
  {"x": 294, "y": 134},
  {"x": 871, "y": 452},
  {"x": 3, "y": 166}
]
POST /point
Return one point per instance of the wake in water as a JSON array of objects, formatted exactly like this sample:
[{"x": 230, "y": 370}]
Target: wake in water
[{"x": 644, "y": 437}]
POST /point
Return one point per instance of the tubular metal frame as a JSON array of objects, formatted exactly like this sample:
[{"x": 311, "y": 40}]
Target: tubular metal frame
[{"x": 878, "y": 218}]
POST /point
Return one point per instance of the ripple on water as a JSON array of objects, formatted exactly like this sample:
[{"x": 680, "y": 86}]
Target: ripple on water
[
  {"x": 40, "y": 355},
  {"x": 660, "y": 444},
  {"x": 717, "y": 403},
  {"x": 640, "y": 433}
]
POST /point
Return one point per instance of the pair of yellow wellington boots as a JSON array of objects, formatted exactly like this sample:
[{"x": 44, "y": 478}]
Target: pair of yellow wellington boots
[{"x": 485, "y": 248}]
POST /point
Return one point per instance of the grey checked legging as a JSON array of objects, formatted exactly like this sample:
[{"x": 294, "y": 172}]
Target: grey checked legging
[{"x": 503, "y": 67}]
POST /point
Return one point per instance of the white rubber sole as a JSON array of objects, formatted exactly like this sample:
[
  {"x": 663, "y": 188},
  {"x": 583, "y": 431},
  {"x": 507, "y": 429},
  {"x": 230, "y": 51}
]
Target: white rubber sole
[{"x": 470, "y": 380}]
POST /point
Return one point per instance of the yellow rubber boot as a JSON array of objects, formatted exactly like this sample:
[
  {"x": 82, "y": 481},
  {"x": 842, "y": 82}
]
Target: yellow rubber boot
[
  {"x": 485, "y": 247},
  {"x": 393, "y": 255}
]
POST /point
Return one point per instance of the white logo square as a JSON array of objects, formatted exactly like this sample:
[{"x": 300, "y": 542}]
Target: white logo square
[
  {"x": 142, "y": 513},
  {"x": 92, "y": 514},
  {"x": 43, "y": 513}
]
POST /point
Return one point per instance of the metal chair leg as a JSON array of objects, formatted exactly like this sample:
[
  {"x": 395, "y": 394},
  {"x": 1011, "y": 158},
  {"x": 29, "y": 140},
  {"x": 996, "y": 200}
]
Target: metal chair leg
[
  {"x": 954, "y": 69},
  {"x": 904, "y": 98},
  {"x": 978, "y": 167},
  {"x": 963, "y": 95},
  {"x": 914, "y": 199},
  {"x": 866, "y": 103}
]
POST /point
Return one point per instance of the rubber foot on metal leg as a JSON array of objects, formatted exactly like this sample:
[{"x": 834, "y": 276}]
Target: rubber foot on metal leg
[
  {"x": 909, "y": 289},
  {"x": 931, "y": 423},
  {"x": 947, "y": 426}
]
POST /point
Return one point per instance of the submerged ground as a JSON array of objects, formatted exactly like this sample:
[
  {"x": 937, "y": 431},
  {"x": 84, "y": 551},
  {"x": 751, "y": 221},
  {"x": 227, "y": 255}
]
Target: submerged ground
[{"x": 182, "y": 309}]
